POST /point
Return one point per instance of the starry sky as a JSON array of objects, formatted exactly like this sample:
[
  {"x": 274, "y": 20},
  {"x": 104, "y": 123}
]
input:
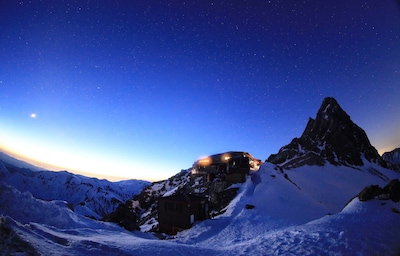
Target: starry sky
[{"x": 142, "y": 89}]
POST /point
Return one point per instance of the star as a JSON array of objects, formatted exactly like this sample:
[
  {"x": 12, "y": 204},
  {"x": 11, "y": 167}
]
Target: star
[{"x": 244, "y": 70}]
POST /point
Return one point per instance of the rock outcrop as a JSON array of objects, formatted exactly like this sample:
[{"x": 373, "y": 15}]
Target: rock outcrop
[
  {"x": 392, "y": 159},
  {"x": 390, "y": 191}
]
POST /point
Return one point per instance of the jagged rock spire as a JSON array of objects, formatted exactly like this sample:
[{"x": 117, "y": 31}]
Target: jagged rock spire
[{"x": 332, "y": 137}]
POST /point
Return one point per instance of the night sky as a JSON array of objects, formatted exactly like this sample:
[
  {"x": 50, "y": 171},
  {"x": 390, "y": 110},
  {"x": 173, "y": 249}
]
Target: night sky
[{"x": 142, "y": 89}]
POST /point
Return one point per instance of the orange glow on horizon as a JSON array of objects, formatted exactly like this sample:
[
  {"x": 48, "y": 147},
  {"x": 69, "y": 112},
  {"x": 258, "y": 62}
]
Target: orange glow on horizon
[
  {"x": 57, "y": 168},
  {"x": 52, "y": 167}
]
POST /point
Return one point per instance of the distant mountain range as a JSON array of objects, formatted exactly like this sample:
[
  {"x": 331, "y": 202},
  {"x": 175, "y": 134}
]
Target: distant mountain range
[
  {"x": 306, "y": 199},
  {"x": 89, "y": 197}
]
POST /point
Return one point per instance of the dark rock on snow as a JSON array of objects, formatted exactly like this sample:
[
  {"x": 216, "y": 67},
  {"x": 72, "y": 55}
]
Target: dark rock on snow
[{"x": 390, "y": 191}]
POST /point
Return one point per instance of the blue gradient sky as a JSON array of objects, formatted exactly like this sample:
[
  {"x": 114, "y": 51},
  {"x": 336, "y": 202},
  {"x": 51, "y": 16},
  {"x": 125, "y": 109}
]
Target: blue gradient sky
[{"x": 141, "y": 89}]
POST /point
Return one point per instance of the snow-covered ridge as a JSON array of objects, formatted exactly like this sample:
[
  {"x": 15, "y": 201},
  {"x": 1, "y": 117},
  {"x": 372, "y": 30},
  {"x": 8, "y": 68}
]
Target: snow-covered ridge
[
  {"x": 308, "y": 216},
  {"x": 90, "y": 197}
]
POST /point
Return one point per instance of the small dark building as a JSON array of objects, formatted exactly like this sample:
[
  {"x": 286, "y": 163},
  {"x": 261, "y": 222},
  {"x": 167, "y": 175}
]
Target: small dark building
[
  {"x": 179, "y": 212},
  {"x": 232, "y": 166}
]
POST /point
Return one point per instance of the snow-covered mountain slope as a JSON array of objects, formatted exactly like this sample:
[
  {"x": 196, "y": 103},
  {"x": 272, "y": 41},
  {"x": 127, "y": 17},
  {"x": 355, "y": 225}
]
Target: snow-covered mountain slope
[
  {"x": 320, "y": 189},
  {"x": 90, "y": 197},
  {"x": 283, "y": 199},
  {"x": 289, "y": 218},
  {"x": 360, "y": 229}
]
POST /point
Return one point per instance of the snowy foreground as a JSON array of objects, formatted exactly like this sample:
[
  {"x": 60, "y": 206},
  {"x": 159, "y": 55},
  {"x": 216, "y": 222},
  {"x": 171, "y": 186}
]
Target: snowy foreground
[{"x": 300, "y": 214}]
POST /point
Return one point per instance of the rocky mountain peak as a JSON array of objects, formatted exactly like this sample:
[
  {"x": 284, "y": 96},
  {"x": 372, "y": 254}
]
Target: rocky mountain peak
[
  {"x": 332, "y": 136},
  {"x": 329, "y": 116}
]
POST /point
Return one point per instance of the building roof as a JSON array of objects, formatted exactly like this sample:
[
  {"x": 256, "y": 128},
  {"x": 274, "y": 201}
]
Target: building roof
[{"x": 183, "y": 198}]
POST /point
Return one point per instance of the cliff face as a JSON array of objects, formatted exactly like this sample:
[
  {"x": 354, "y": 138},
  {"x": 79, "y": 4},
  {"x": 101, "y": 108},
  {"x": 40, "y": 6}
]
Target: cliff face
[{"x": 331, "y": 137}]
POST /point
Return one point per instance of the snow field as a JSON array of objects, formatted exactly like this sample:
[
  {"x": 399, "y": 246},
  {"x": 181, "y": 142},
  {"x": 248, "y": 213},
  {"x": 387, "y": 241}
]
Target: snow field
[{"x": 296, "y": 212}]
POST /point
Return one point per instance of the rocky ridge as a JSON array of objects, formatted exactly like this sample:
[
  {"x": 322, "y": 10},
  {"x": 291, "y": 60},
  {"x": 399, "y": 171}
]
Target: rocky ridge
[{"x": 331, "y": 137}]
